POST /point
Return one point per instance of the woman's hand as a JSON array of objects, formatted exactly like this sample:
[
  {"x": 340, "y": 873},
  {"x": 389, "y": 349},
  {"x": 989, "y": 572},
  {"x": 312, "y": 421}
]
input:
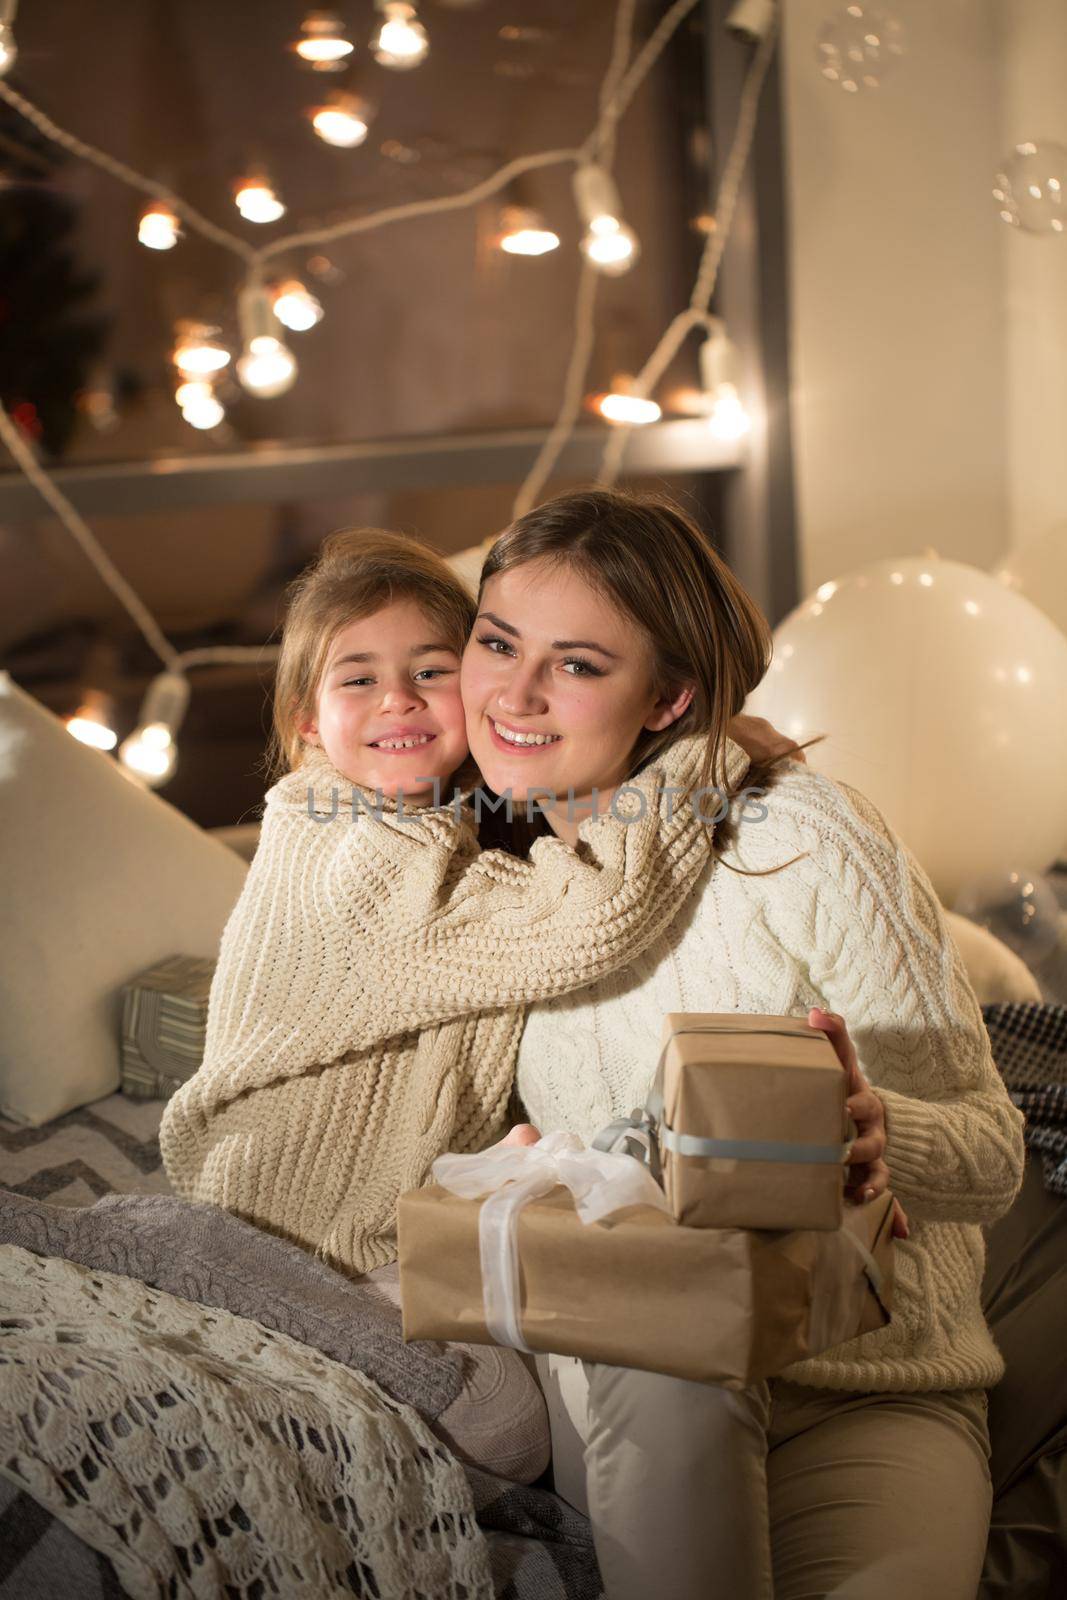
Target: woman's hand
[
  {"x": 760, "y": 740},
  {"x": 868, "y": 1173},
  {"x": 521, "y": 1133}
]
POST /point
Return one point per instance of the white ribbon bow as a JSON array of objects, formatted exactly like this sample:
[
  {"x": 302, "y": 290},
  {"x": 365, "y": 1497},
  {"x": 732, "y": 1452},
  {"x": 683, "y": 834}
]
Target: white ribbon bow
[{"x": 601, "y": 1182}]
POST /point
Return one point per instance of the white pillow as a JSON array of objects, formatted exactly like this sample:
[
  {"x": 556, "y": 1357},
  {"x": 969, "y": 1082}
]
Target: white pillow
[
  {"x": 996, "y": 972},
  {"x": 100, "y": 878}
]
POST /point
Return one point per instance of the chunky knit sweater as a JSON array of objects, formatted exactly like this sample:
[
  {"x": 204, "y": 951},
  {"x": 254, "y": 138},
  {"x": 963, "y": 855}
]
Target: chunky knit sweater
[
  {"x": 853, "y": 927},
  {"x": 365, "y": 1012}
]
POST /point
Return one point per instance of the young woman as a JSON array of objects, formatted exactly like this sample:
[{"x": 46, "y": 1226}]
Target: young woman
[{"x": 609, "y": 634}]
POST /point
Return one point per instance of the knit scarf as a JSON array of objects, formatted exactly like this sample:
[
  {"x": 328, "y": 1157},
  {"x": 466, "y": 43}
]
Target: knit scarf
[{"x": 365, "y": 1012}]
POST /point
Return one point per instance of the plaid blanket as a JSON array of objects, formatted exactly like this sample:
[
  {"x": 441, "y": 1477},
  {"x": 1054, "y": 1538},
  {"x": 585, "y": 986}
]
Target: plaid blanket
[{"x": 1030, "y": 1048}]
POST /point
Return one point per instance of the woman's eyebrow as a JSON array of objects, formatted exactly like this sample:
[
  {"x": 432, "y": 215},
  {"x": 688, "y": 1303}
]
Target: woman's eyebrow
[{"x": 557, "y": 644}]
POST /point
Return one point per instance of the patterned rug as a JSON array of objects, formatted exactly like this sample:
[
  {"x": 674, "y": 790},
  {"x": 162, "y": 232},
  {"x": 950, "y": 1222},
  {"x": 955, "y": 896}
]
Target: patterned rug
[{"x": 109, "y": 1147}]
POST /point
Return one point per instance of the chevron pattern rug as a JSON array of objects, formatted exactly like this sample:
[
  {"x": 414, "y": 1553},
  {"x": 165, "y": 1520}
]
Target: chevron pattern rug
[{"x": 109, "y": 1147}]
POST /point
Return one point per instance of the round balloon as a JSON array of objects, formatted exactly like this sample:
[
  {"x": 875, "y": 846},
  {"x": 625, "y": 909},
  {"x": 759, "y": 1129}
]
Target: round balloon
[
  {"x": 943, "y": 696},
  {"x": 1039, "y": 571}
]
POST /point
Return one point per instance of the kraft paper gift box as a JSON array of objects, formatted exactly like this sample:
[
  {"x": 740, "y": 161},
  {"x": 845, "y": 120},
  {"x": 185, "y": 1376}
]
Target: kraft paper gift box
[
  {"x": 164, "y": 1019},
  {"x": 634, "y": 1288},
  {"x": 749, "y": 1121}
]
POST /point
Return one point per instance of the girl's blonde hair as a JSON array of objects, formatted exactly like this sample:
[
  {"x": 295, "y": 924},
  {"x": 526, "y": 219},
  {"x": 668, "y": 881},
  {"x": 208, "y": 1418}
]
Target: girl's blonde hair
[
  {"x": 652, "y": 561},
  {"x": 357, "y": 572}
]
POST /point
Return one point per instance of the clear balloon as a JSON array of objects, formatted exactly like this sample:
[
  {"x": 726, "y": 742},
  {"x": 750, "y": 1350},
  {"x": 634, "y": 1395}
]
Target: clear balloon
[
  {"x": 1031, "y": 188},
  {"x": 1018, "y": 906},
  {"x": 943, "y": 696},
  {"x": 857, "y": 46}
]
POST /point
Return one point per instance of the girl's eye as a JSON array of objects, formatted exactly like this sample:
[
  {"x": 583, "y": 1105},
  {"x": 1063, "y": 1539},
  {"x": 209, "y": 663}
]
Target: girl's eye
[
  {"x": 491, "y": 639},
  {"x": 349, "y": 681},
  {"x": 434, "y": 672},
  {"x": 588, "y": 669}
]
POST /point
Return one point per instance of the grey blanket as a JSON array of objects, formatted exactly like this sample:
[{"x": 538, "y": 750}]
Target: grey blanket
[{"x": 202, "y": 1253}]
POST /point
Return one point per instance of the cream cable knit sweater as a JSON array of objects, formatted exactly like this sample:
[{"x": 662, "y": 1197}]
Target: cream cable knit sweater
[
  {"x": 365, "y": 1014},
  {"x": 854, "y": 927}
]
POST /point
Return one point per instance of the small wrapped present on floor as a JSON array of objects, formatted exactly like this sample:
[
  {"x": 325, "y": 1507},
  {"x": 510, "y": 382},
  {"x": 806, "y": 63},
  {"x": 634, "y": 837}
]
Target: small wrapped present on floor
[
  {"x": 573, "y": 1250},
  {"x": 164, "y": 1019},
  {"x": 745, "y": 1124}
]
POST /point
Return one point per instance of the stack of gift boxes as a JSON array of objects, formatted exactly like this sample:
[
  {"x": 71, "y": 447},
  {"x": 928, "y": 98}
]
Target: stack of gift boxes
[{"x": 705, "y": 1236}]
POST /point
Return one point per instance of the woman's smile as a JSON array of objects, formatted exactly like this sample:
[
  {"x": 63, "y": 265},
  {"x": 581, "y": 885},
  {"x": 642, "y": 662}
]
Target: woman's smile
[{"x": 519, "y": 741}]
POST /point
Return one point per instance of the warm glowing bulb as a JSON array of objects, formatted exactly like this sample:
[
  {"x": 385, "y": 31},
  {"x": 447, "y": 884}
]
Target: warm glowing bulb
[
  {"x": 296, "y": 307},
  {"x": 9, "y": 50},
  {"x": 727, "y": 417},
  {"x": 629, "y": 408},
  {"x": 152, "y": 758},
  {"x": 198, "y": 353},
  {"x": 401, "y": 40},
  {"x": 158, "y": 228},
  {"x": 267, "y": 367},
  {"x": 610, "y": 245},
  {"x": 343, "y": 122},
  {"x": 523, "y": 233},
  {"x": 322, "y": 43},
  {"x": 150, "y": 751},
  {"x": 203, "y": 412},
  {"x": 257, "y": 202},
  {"x": 91, "y": 723},
  {"x": 92, "y": 733}
]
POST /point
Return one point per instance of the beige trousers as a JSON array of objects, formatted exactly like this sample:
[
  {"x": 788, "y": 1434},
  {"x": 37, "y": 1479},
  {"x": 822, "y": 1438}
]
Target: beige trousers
[{"x": 700, "y": 1493}]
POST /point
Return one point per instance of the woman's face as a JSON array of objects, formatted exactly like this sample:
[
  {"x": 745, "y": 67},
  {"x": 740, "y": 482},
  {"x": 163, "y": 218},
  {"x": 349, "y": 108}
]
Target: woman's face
[
  {"x": 388, "y": 711},
  {"x": 558, "y": 665}
]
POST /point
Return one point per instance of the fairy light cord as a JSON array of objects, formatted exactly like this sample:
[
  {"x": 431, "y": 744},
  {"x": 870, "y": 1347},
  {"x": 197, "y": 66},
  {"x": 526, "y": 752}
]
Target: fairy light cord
[
  {"x": 77, "y": 527},
  {"x": 582, "y": 341},
  {"x": 696, "y": 314}
]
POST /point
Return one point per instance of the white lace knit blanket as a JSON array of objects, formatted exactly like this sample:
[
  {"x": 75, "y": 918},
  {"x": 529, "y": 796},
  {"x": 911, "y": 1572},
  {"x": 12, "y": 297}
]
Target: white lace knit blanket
[{"x": 205, "y": 1455}]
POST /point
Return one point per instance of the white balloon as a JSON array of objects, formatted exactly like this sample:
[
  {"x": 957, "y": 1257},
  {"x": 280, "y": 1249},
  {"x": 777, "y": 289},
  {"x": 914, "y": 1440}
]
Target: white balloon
[
  {"x": 943, "y": 696},
  {"x": 1039, "y": 571}
]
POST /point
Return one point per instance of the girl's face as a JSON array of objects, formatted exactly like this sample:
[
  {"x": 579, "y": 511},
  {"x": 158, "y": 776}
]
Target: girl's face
[
  {"x": 388, "y": 712},
  {"x": 550, "y": 657}
]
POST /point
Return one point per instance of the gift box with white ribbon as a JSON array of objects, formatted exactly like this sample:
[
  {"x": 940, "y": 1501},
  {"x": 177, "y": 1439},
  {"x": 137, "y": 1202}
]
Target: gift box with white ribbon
[{"x": 560, "y": 1247}]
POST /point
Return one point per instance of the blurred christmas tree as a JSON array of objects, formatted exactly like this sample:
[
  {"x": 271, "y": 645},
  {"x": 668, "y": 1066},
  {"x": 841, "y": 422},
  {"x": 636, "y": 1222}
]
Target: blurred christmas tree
[{"x": 49, "y": 340}]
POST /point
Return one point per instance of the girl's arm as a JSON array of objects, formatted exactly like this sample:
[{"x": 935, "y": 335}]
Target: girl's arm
[{"x": 449, "y": 929}]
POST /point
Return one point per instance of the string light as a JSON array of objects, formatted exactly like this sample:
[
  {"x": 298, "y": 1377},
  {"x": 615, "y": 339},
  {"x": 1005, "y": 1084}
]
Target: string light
[
  {"x": 619, "y": 86},
  {"x": 295, "y": 306},
  {"x": 523, "y": 232},
  {"x": 9, "y": 50},
  {"x": 720, "y": 376},
  {"x": 158, "y": 228},
  {"x": 197, "y": 352},
  {"x": 342, "y": 120},
  {"x": 150, "y": 752},
  {"x": 608, "y": 243},
  {"x": 257, "y": 201},
  {"x": 267, "y": 366},
  {"x": 400, "y": 41},
  {"x": 93, "y": 721},
  {"x": 322, "y": 43},
  {"x": 199, "y": 404}
]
